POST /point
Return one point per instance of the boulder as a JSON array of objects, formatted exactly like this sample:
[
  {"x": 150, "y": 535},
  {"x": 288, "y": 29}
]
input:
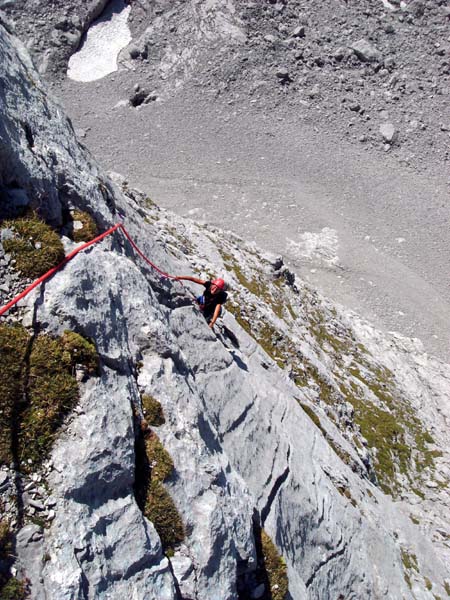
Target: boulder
[{"x": 366, "y": 52}]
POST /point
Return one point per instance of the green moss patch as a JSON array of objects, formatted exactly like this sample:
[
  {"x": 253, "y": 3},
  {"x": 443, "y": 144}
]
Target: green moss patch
[
  {"x": 35, "y": 247},
  {"x": 162, "y": 512},
  {"x": 78, "y": 351},
  {"x": 52, "y": 391},
  {"x": 409, "y": 561},
  {"x": 37, "y": 390},
  {"x": 14, "y": 590},
  {"x": 13, "y": 348},
  {"x": 154, "y": 465},
  {"x": 88, "y": 229},
  {"x": 160, "y": 461},
  {"x": 10, "y": 587},
  {"x": 6, "y": 545},
  {"x": 275, "y": 567},
  {"x": 152, "y": 410},
  {"x": 343, "y": 455},
  {"x": 397, "y": 438}
]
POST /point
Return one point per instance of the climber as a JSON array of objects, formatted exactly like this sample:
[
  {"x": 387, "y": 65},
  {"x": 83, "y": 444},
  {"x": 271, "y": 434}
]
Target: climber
[{"x": 211, "y": 301}]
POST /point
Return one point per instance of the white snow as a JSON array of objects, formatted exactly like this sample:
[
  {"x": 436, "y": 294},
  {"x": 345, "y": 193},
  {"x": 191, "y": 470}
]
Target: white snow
[{"x": 106, "y": 37}]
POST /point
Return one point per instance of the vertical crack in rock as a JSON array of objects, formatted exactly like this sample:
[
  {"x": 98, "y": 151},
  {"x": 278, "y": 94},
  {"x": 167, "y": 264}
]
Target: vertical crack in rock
[
  {"x": 275, "y": 488},
  {"x": 176, "y": 585}
]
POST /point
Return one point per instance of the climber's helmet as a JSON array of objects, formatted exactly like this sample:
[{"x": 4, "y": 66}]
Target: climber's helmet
[{"x": 217, "y": 285}]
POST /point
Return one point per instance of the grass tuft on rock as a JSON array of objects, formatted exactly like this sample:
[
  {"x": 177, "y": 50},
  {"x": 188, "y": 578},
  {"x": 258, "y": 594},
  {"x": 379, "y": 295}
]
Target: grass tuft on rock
[
  {"x": 159, "y": 507},
  {"x": 80, "y": 352},
  {"x": 275, "y": 567},
  {"x": 162, "y": 512},
  {"x": 6, "y": 545},
  {"x": 14, "y": 590},
  {"x": 153, "y": 411},
  {"x": 52, "y": 393},
  {"x": 409, "y": 561},
  {"x": 154, "y": 465},
  {"x": 13, "y": 348},
  {"x": 160, "y": 461},
  {"x": 10, "y": 587},
  {"x": 37, "y": 390},
  {"x": 84, "y": 228},
  {"x": 35, "y": 247}
]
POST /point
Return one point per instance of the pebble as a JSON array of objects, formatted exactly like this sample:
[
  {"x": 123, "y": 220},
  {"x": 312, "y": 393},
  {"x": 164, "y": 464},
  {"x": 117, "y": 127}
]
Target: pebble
[
  {"x": 298, "y": 32},
  {"x": 431, "y": 484},
  {"x": 36, "y": 504},
  {"x": 388, "y": 132}
]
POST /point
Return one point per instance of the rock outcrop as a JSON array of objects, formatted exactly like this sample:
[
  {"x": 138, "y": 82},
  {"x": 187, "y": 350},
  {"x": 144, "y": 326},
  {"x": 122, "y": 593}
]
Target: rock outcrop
[{"x": 254, "y": 416}]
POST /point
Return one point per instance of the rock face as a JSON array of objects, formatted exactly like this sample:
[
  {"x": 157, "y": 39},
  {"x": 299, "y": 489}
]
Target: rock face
[{"x": 253, "y": 441}]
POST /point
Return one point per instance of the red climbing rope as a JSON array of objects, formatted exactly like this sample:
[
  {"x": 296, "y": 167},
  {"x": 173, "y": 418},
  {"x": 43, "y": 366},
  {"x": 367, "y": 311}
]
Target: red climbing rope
[
  {"x": 71, "y": 255},
  {"x": 142, "y": 255}
]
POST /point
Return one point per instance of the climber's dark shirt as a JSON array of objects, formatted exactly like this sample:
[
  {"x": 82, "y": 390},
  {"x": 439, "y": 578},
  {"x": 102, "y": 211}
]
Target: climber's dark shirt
[{"x": 208, "y": 301}]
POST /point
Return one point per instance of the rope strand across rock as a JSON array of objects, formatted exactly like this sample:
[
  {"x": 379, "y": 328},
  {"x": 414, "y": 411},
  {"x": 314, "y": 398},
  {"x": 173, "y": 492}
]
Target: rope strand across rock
[{"x": 72, "y": 254}]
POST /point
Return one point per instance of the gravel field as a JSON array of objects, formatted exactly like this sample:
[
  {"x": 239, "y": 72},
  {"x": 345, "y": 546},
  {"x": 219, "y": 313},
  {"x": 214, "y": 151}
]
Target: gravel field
[
  {"x": 385, "y": 250},
  {"x": 319, "y": 130}
]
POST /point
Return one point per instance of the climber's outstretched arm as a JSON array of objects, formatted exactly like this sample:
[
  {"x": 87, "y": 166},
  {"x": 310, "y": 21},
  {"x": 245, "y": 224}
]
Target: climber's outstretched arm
[{"x": 188, "y": 278}]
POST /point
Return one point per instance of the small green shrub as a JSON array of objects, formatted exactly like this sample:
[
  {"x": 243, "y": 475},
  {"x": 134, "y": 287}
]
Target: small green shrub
[
  {"x": 88, "y": 230},
  {"x": 153, "y": 411},
  {"x": 275, "y": 567},
  {"x": 36, "y": 248},
  {"x": 159, "y": 507}
]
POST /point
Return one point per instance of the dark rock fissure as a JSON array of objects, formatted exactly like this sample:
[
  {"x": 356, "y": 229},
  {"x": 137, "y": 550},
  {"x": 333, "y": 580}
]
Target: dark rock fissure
[
  {"x": 332, "y": 556},
  {"x": 175, "y": 582},
  {"x": 235, "y": 424},
  {"x": 274, "y": 491},
  {"x": 29, "y": 135},
  {"x": 84, "y": 580}
]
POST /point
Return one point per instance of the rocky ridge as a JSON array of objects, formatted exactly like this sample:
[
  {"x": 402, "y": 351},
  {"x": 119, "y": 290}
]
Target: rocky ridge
[{"x": 234, "y": 407}]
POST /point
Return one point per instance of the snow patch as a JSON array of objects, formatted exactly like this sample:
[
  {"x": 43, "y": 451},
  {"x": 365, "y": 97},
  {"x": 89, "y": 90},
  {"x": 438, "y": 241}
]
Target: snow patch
[
  {"x": 317, "y": 247},
  {"x": 106, "y": 37}
]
